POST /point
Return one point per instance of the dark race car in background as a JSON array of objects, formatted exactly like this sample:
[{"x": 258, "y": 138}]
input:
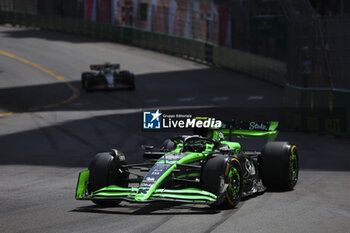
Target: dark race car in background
[
  {"x": 208, "y": 167},
  {"x": 107, "y": 76}
]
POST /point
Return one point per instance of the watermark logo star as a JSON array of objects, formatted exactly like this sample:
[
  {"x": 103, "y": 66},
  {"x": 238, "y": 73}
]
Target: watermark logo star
[{"x": 156, "y": 115}]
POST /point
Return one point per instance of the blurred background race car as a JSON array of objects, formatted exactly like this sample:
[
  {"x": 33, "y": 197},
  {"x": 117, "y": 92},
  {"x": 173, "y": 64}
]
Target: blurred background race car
[{"x": 107, "y": 76}]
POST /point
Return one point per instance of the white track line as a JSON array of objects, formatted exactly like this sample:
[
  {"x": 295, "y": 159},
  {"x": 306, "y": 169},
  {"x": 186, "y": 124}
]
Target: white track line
[
  {"x": 187, "y": 99},
  {"x": 220, "y": 98}
]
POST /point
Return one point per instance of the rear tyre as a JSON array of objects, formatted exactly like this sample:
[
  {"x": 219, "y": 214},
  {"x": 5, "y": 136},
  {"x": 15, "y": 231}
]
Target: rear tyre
[
  {"x": 279, "y": 166},
  {"x": 129, "y": 78},
  {"x": 85, "y": 81},
  {"x": 218, "y": 172},
  {"x": 105, "y": 169}
]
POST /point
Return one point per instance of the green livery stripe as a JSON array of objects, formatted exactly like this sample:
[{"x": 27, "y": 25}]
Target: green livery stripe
[
  {"x": 192, "y": 194},
  {"x": 190, "y": 191},
  {"x": 182, "y": 200},
  {"x": 271, "y": 135},
  {"x": 252, "y": 133},
  {"x": 189, "y": 175},
  {"x": 154, "y": 196},
  {"x": 115, "y": 188},
  {"x": 184, "y": 197},
  {"x": 111, "y": 194},
  {"x": 112, "y": 198},
  {"x": 255, "y": 133},
  {"x": 191, "y": 157}
]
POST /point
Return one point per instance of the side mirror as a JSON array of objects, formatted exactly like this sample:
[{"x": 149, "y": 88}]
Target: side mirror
[{"x": 227, "y": 150}]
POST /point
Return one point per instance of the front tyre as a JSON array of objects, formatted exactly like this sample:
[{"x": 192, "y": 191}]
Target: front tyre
[
  {"x": 279, "y": 166},
  {"x": 222, "y": 176},
  {"x": 105, "y": 169}
]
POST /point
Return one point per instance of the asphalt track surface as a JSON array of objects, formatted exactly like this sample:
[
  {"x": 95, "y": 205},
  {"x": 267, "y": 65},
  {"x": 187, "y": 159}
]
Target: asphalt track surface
[{"x": 42, "y": 151}]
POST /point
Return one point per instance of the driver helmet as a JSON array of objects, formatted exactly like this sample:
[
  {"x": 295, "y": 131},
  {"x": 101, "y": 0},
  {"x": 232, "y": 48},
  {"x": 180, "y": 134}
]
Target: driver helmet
[{"x": 107, "y": 69}]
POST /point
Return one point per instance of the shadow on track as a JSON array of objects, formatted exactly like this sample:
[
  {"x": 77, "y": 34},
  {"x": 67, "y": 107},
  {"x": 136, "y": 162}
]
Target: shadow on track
[
  {"x": 160, "y": 208},
  {"x": 161, "y": 87}
]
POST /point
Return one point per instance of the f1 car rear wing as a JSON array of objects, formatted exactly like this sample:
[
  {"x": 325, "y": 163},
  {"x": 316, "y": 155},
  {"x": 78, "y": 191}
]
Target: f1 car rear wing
[
  {"x": 235, "y": 129},
  {"x": 102, "y": 66}
]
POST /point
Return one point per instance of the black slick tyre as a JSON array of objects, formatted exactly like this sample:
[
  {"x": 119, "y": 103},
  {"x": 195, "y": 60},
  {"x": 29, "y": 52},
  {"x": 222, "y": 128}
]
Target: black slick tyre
[
  {"x": 219, "y": 172},
  {"x": 129, "y": 78},
  {"x": 279, "y": 166},
  {"x": 85, "y": 81},
  {"x": 102, "y": 173}
]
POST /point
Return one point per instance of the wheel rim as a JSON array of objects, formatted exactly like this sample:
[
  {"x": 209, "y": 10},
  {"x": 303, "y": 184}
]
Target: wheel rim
[
  {"x": 293, "y": 165},
  {"x": 234, "y": 185}
]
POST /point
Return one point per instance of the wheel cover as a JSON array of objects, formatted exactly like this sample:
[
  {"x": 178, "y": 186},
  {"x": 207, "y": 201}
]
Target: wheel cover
[{"x": 234, "y": 184}]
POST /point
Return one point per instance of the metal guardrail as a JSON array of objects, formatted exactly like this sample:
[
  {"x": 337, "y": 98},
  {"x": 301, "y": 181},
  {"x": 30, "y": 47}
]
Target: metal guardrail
[
  {"x": 254, "y": 65},
  {"x": 321, "y": 110}
]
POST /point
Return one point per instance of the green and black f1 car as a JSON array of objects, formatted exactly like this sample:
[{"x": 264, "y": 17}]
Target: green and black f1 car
[{"x": 205, "y": 168}]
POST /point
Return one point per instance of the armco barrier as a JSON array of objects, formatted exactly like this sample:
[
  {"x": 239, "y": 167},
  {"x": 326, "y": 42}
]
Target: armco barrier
[
  {"x": 308, "y": 109},
  {"x": 251, "y": 64}
]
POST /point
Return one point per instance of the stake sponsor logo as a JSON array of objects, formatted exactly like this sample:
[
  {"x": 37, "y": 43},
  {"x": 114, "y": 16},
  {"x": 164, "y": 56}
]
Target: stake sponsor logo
[{"x": 256, "y": 126}]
